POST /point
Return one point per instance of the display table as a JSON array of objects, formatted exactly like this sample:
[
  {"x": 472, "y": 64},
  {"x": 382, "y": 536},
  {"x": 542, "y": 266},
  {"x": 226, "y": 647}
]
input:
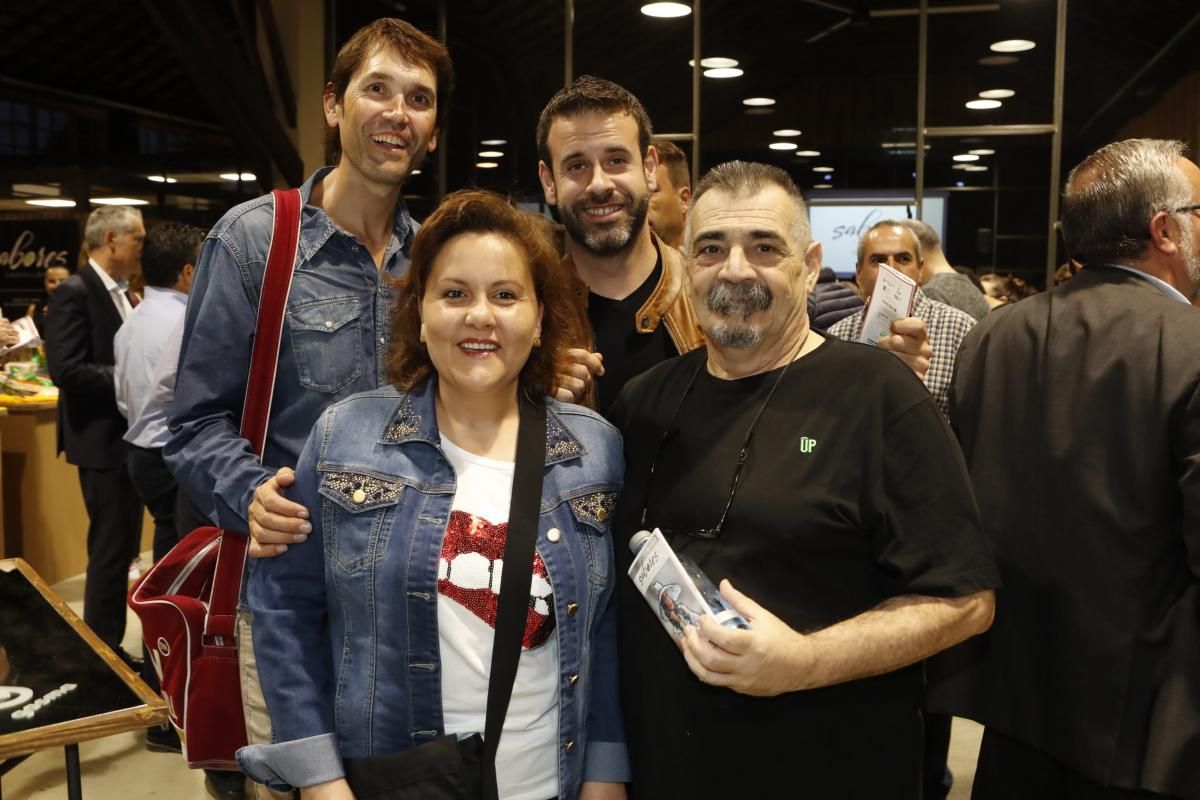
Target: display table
[
  {"x": 45, "y": 521},
  {"x": 59, "y": 684}
]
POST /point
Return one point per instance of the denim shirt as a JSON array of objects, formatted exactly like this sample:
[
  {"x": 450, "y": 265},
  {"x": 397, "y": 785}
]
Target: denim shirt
[
  {"x": 335, "y": 339},
  {"x": 346, "y": 623}
]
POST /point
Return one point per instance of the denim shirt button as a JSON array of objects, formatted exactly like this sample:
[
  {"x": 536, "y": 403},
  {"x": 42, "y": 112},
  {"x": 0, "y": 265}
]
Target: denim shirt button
[
  {"x": 570, "y": 745},
  {"x": 572, "y": 608},
  {"x": 359, "y": 497},
  {"x": 572, "y": 680},
  {"x": 553, "y": 535}
]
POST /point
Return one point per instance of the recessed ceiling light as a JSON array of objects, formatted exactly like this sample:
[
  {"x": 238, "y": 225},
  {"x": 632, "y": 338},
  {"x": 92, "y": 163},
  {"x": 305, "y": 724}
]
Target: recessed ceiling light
[
  {"x": 490, "y": 154},
  {"x": 52, "y": 202},
  {"x": 233, "y": 176},
  {"x": 666, "y": 10},
  {"x": 983, "y": 104},
  {"x": 716, "y": 62},
  {"x": 1012, "y": 46},
  {"x": 822, "y": 169},
  {"x": 960, "y": 166},
  {"x": 486, "y": 164},
  {"x": 998, "y": 61},
  {"x": 415, "y": 172},
  {"x": 759, "y": 101},
  {"x": 808, "y": 153},
  {"x": 785, "y": 132},
  {"x": 493, "y": 142},
  {"x": 723, "y": 72},
  {"x": 161, "y": 179},
  {"x": 996, "y": 94},
  {"x": 782, "y": 145},
  {"x": 974, "y": 168},
  {"x": 822, "y": 186},
  {"x": 982, "y": 151},
  {"x": 118, "y": 201},
  {"x": 966, "y": 157}
]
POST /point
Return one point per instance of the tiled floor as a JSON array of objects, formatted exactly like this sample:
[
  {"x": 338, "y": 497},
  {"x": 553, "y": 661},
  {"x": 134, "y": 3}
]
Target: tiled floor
[{"x": 120, "y": 768}]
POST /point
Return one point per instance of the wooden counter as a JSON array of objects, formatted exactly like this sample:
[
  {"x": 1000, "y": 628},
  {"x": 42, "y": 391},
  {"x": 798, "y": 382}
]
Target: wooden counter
[{"x": 45, "y": 521}]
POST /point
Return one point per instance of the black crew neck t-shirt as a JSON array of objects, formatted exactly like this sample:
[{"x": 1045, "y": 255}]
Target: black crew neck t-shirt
[
  {"x": 854, "y": 491},
  {"x": 626, "y": 352}
]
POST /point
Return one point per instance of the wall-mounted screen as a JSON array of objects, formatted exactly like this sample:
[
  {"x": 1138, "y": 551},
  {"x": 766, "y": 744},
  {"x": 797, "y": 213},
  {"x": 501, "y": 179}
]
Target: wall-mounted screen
[{"x": 840, "y": 218}]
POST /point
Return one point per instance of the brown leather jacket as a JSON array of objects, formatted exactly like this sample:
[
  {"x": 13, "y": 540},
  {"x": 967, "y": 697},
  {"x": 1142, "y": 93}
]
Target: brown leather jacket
[{"x": 669, "y": 304}]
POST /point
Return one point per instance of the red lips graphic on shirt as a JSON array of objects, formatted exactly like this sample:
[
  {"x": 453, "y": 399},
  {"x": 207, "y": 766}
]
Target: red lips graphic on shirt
[{"x": 469, "y": 573}]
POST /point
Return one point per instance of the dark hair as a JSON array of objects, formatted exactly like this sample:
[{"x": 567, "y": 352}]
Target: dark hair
[
  {"x": 168, "y": 247},
  {"x": 675, "y": 161},
  {"x": 589, "y": 95},
  {"x": 477, "y": 211},
  {"x": 413, "y": 46}
]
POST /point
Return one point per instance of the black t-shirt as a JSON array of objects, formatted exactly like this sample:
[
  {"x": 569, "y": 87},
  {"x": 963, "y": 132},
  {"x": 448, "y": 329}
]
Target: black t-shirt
[
  {"x": 854, "y": 491},
  {"x": 626, "y": 352}
]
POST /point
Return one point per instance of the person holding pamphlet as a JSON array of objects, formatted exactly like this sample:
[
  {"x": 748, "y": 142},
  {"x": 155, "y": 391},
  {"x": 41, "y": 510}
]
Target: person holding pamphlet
[
  {"x": 888, "y": 273},
  {"x": 818, "y": 485}
]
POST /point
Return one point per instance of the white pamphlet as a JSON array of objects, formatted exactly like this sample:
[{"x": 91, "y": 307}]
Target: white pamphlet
[{"x": 891, "y": 300}]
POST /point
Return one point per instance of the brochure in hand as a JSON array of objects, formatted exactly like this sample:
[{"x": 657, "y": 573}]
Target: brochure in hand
[
  {"x": 892, "y": 299},
  {"x": 675, "y": 587}
]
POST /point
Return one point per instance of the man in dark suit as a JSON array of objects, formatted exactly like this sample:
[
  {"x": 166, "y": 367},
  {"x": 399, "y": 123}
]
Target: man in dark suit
[
  {"x": 83, "y": 316},
  {"x": 1078, "y": 411}
]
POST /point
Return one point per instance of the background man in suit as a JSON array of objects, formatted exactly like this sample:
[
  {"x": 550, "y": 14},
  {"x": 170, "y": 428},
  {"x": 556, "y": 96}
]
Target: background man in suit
[
  {"x": 1078, "y": 411},
  {"x": 83, "y": 316}
]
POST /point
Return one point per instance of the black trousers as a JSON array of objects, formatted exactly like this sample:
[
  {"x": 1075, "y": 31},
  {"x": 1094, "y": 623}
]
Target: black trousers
[
  {"x": 114, "y": 531},
  {"x": 1009, "y": 769},
  {"x": 156, "y": 486}
]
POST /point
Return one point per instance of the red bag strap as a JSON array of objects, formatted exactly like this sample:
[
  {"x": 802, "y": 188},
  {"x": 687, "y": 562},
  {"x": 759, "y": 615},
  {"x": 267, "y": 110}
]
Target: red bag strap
[{"x": 256, "y": 409}]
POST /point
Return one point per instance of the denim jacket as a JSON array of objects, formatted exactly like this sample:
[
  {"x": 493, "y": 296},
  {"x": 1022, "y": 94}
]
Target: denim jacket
[
  {"x": 346, "y": 624},
  {"x": 335, "y": 340}
]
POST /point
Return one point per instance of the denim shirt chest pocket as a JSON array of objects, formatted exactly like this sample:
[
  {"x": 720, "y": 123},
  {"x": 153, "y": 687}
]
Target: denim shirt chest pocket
[
  {"x": 327, "y": 341},
  {"x": 357, "y": 510}
]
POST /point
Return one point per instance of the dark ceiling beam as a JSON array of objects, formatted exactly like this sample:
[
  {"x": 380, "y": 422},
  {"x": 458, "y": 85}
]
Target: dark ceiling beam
[
  {"x": 193, "y": 30},
  {"x": 37, "y": 90},
  {"x": 1116, "y": 96},
  {"x": 279, "y": 65}
]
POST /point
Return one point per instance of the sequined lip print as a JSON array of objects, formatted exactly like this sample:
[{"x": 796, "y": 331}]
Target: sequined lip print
[{"x": 469, "y": 573}]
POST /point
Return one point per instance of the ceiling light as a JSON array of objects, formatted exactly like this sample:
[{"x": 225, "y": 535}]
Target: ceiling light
[
  {"x": 996, "y": 94},
  {"x": 161, "y": 179},
  {"x": 717, "y": 62},
  {"x": 959, "y": 184},
  {"x": 783, "y": 132},
  {"x": 235, "y": 176},
  {"x": 1012, "y": 46},
  {"x": 490, "y": 154},
  {"x": 966, "y": 157},
  {"x": 493, "y": 142},
  {"x": 415, "y": 172},
  {"x": 782, "y": 145},
  {"x": 961, "y": 166},
  {"x": 52, "y": 202},
  {"x": 982, "y": 151},
  {"x": 486, "y": 164},
  {"x": 723, "y": 72},
  {"x": 998, "y": 61},
  {"x": 759, "y": 101},
  {"x": 808, "y": 153},
  {"x": 822, "y": 186},
  {"x": 118, "y": 201},
  {"x": 979, "y": 105},
  {"x": 666, "y": 10},
  {"x": 974, "y": 168},
  {"x": 822, "y": 169}
]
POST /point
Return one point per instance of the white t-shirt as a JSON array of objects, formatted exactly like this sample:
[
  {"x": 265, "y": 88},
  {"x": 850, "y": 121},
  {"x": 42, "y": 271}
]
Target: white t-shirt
[{"x": 468, "y": 593}]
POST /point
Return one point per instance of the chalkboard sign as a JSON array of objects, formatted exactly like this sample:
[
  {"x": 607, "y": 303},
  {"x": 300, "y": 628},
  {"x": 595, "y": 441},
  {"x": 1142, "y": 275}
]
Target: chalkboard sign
[
  {"x": 58, "y": 683},
  {"x": 27, "y": 249}
]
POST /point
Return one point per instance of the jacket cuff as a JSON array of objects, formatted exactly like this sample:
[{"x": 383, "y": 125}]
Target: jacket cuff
[
  {"x": 286, "y": 765},
  {"x": 607, "y": 762}
]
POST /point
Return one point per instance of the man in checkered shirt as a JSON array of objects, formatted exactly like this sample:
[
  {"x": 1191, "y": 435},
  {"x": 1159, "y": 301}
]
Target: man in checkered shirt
[{"x": 890, "y": 243}]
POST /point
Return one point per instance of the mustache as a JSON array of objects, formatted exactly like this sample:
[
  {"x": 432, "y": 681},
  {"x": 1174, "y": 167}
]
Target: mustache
[{"x": 743, "y": 298}]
